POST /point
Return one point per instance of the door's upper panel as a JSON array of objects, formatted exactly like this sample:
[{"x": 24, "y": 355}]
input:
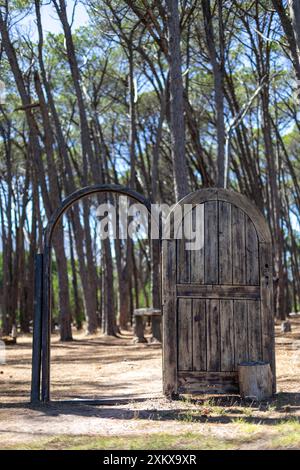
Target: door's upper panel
[{"x": 219, "y": 245}]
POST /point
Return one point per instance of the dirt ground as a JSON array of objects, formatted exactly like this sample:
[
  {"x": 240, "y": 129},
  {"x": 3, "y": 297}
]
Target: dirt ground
[{"x": 91, "y": 373}]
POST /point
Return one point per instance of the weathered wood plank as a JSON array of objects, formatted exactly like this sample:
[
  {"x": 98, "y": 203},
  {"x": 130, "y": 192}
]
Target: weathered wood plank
[
  {"x": 195, "y": 198},
  {"x": 252, "y": 264},
  {"x": 183, "y": 261},
  {"x": 240, "y": 331},
  {"x": 169, "y": 317},
  {"x": 199, "y": 335},
  {"x": 147, "y": 312},
  {"x": 211, "y": 258},
  {"x": 197, "y": 256},
  {"x": 267, "y": 307},
  {"x": 185, "y": 335},
  {"x": 254, "y": 331},
  {"x": 208, "y": 382},
  {"x": 199, "y": 196},
  {"x": 227, "y": 337},
  {"x": 218, "y": 291},
  {"x": 242, "y": 202},
  {"x": 225, "y": 243},
  {"x": 213, "y": 335},
  {"x": 183, "y": 254},
  {"x": 238, "y": 242},
  {"x": 226, "y": 375}
]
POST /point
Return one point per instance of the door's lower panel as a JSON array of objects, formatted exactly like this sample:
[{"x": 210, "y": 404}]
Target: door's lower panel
[{"x": 207, "y": 382}]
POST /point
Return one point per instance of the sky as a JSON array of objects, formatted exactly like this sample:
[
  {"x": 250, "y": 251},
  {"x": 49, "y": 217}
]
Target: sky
[{"x": 50, "y": 20}]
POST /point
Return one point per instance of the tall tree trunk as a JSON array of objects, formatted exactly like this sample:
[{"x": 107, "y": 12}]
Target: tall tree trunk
[
  {"x": 295, "y": 17},
  {"x": 155, "y": 244},
  {"x": 275, "y": 208},
  {"x": 217, "y": 62},
  {"x": 290, "y": 26},
  {"x": 176, "y": 101}
]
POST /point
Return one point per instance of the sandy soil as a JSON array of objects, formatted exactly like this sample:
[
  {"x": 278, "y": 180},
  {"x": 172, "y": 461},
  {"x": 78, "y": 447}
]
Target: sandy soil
[{"x": 91, "y": 372}]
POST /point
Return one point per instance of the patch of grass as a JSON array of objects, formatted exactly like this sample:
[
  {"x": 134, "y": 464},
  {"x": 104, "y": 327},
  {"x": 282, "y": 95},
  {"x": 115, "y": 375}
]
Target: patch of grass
[
  {"x": 287, "y": 435},
  {"x": 160, "y": 441},
  {"x": 284, "y": 434},
  {"x": 271, "y": 408},
  {"x": 186, "y": 399},
  {"x": 290, "y": 441},
  {"x": 248, "y": 428},
  {"x": 247, "y": 411},
  {"x": 201, "y": 414},
  {"x": 219, "y": 410}
]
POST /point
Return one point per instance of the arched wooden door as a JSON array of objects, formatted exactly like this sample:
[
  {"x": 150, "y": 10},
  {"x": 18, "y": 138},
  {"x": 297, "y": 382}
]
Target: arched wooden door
[{"x": 217, "y": 299}]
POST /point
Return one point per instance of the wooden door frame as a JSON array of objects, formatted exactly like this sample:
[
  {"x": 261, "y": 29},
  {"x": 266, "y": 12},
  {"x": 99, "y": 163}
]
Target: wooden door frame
[
  {"x": 170, "y": 340},
  {"x": 40, "y": 378}
]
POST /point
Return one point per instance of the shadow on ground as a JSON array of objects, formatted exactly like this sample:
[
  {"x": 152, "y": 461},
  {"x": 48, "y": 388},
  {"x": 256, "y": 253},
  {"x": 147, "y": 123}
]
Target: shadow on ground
[{"x": 202, "y": 410}]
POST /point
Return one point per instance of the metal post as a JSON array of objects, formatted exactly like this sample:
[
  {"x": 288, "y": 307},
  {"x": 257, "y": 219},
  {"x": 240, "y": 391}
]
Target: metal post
[{"x": 37, "y": 329}]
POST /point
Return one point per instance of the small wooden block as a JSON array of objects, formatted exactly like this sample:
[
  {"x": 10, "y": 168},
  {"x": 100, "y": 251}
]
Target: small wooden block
[
  {"x": 255, "y": 380},
  {"x": 286, "y": 327}
]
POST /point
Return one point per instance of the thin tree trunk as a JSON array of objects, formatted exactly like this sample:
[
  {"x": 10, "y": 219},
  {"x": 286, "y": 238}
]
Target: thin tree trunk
[{"x": 77, "y": 300}]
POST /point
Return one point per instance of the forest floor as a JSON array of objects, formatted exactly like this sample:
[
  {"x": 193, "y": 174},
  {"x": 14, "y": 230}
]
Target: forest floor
[{"x": 114, "y": 369}]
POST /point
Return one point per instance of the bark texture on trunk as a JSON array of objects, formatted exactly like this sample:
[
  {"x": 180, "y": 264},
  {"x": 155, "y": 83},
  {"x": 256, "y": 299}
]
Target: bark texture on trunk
[
  {"x": 217, "y": 62},
  {"x": 176, "y": 101}
]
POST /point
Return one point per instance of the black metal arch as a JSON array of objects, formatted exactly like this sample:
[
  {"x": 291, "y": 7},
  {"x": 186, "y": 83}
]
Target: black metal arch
[{"x": 40, "y": 381}]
